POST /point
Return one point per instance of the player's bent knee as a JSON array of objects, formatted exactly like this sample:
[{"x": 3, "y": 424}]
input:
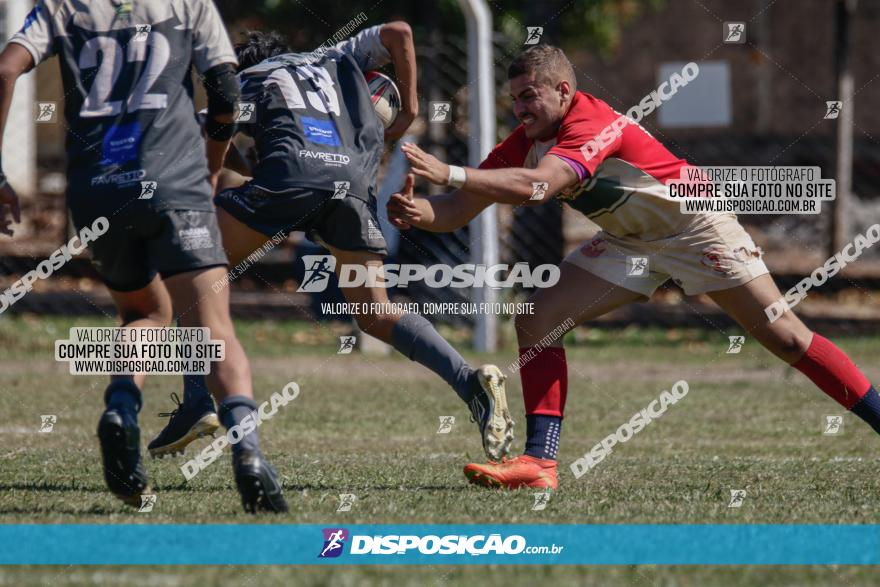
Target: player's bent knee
[
  {"x": 787, "y": 339},
  {"x": 377, "y": 325},
  {"x": 531, "y": 327}
]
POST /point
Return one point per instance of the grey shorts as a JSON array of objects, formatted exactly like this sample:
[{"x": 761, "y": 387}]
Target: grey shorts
[
  {"x": 138, "y": 246},
  {"x": 346, "y": 222}
]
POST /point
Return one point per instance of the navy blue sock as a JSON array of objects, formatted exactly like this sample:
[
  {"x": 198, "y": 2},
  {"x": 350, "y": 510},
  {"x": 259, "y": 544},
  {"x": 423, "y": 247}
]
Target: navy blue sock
[
  {"x": 868, "y": 409},
  {"x": 195, "y": 389},
  {"x": 195, "y": 392},
  {"x": 542, "y": 436},
  {"x": 233, "y": 409},
  {"x": 417, "y": 340},
  {"x": 123, "y": 394}
]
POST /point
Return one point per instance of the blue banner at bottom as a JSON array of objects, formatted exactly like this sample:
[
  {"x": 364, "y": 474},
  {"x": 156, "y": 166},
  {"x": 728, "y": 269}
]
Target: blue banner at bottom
[{"x": 258, "y": 544}]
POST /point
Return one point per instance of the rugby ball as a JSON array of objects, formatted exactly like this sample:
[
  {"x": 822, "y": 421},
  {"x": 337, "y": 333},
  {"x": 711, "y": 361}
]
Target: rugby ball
[{"x": 385, "y": 97}]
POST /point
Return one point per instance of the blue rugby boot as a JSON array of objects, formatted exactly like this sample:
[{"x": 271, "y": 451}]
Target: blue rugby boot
[
  {"x": 190, "y": 420},
  {"x": 257, "y": 483},
  {"x": 120, "y": 438}
]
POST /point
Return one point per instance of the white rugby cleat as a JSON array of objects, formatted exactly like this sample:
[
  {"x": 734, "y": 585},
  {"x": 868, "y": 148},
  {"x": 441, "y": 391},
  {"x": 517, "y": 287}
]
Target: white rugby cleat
[{"x": 489, "y": 411}]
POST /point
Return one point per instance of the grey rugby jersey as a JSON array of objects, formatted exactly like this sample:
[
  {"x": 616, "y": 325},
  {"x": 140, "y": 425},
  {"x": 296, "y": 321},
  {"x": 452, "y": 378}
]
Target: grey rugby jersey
[
  {"x": 125, "y": 66},
  {"x": 313, "y": 121}
]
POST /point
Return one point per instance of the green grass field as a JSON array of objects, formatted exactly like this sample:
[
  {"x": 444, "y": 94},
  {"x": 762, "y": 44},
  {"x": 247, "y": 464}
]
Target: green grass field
[{"x": 368, "y": 426}]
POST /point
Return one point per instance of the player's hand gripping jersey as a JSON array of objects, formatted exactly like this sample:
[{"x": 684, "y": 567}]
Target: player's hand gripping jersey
[
  {"x": 313, "y": 122},
  {"x": 128, "y": 96},
  {"x": 622, "y": 186}
]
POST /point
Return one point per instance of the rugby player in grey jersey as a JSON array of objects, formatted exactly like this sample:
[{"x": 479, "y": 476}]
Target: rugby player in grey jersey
[
  {"x": 136, "y": 156},
  {"x": 314, "y": 128}
]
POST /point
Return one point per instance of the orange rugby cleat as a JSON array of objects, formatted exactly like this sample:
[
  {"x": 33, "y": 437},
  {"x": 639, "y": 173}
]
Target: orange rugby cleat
[{"x": 523, "y": 471}]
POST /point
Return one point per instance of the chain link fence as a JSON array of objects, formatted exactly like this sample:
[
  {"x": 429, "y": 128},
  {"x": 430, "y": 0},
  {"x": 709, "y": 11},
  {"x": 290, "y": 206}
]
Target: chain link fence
[
  {"x": 529, "y": 234},
  {"x": 535, "y": 235}
]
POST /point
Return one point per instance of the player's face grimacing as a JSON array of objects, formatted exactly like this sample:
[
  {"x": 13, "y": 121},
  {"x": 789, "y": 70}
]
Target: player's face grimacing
[{"x": 539, "y": 106}]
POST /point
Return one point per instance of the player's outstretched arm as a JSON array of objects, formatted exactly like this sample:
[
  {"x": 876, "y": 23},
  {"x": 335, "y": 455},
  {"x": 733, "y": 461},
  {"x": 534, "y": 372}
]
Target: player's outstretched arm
[
  {"x": 443, "y": 213},
  {"x": 14, "y": 61},
  {"x": 397, "y": 37},
  {"x": 508, "y": 185}
]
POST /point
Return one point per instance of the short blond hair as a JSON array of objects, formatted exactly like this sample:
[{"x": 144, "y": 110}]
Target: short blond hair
[{"x": 549, "y": 64}]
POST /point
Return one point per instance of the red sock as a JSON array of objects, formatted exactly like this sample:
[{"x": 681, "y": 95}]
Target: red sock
[
  {"x": 544, "y": 380},
  {"x": 833, "y": 372}
]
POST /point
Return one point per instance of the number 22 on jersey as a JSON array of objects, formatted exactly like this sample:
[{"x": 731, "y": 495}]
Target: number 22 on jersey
[{"x": 114, "y": 57}]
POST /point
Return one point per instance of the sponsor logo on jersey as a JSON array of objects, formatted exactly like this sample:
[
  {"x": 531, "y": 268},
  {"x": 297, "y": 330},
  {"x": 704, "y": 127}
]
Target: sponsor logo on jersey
[
  {"x": 121, "y": 143},
  {"x": 330, "y": 159},
  {"x": 320, "y": 132}
]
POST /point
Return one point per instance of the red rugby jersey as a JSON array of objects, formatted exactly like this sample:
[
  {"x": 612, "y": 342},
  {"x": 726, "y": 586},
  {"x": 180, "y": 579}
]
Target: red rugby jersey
[{"x": 623, "y": 178}]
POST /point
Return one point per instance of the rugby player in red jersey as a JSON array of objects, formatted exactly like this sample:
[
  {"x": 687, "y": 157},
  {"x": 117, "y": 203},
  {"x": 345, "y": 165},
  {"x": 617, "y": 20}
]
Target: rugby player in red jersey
[{"x": 621, "y": 185}]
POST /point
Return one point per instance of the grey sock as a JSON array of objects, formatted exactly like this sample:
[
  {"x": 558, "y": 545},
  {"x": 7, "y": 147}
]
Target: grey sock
[
  {"x": 233, "y": 410},
  {"x": 417, "y": 340}
]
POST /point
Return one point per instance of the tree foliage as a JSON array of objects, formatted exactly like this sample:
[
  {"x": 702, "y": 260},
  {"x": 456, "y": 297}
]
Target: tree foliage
[{"x": 591, "y": 24}]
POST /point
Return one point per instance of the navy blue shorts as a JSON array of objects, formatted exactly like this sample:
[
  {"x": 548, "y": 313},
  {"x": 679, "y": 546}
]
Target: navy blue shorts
[{"x": 341, "y": 220}]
